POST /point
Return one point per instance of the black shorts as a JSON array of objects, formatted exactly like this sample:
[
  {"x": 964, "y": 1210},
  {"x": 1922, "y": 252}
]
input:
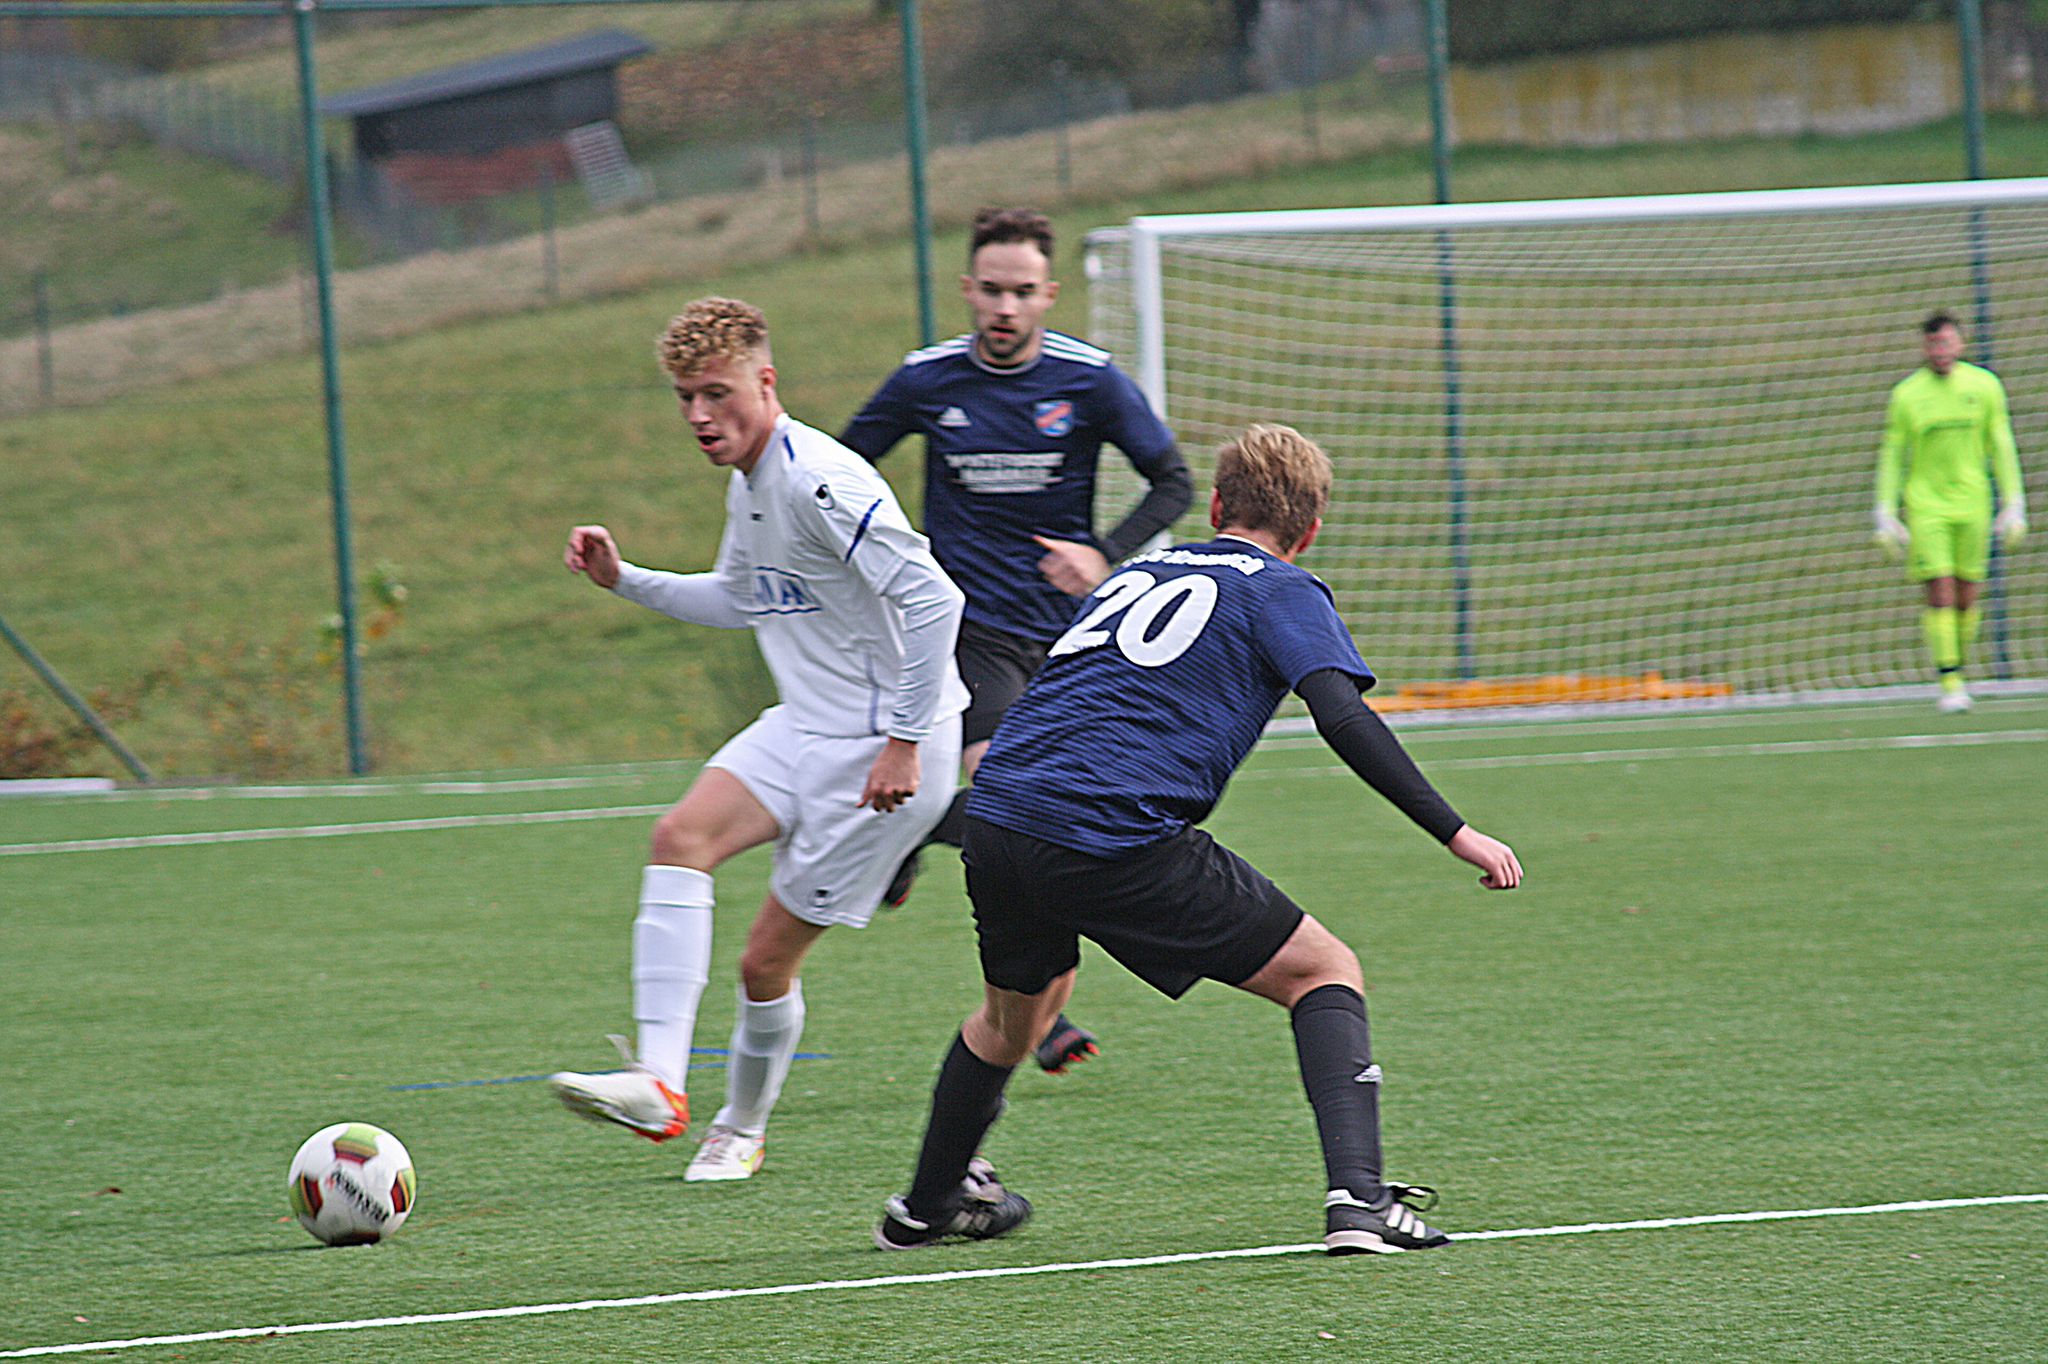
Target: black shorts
[
  {"x": 995, "y": 665},
  {"x": 1172, "y": 913}
]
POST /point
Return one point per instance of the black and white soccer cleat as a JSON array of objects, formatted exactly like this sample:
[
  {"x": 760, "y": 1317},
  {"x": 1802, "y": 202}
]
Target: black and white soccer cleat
[
  {"x": 1353, "y": 1227},
  {"x": 978, "y": 1218}
]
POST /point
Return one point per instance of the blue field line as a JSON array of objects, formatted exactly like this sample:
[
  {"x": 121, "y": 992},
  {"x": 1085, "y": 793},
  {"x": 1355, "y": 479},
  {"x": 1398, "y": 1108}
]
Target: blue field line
[{"x": 524, "y": 1079}]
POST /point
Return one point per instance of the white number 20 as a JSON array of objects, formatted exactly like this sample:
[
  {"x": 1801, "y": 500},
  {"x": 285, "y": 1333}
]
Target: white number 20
[{"x": 1143, "y": 599}]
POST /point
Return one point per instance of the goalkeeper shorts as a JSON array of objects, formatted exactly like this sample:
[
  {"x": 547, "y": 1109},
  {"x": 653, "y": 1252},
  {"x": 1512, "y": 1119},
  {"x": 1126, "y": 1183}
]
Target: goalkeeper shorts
[{"x": 1948, "y": 547}]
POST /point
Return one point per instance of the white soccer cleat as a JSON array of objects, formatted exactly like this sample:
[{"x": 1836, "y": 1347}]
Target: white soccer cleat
[
  {"x": 1953, "y": 702},
  {"x": 634, "y": 1098},
  {"x": 727, "y": 1153}
]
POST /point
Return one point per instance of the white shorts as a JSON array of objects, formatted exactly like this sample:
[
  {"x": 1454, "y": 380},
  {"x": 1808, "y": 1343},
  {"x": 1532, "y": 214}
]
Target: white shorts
[{"x": 833, "y": 858}]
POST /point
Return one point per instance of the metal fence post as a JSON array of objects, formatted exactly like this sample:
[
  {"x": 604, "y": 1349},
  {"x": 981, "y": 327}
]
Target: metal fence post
[
  {"x": 46, "y": 360},
  {"x": 1062, "y": 95},
  {"x": 1447, "y": 324},
  {"x": 1311, "y": 129},
  {"x": 550, "y": 264},
  {"x": 330, "y": 376},
  {"x": 920, "y": 207},
  {"x": 808, "y": 164},
  {"x": 78, "y": 704}
]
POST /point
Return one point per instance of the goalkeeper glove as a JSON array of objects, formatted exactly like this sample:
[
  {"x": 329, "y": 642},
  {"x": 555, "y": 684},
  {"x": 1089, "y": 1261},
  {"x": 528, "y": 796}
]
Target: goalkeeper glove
[
  {"x": 1890, "y": 532},
  {"x": 2011, "y": 524}
]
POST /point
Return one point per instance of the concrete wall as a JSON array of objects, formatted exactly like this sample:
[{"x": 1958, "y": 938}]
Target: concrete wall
[{"x": 1846, "y": 79}]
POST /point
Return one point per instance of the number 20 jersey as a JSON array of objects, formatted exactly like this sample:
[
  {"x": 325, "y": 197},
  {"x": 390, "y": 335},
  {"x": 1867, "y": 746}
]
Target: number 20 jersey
[{"x": 1155, "y": 694}]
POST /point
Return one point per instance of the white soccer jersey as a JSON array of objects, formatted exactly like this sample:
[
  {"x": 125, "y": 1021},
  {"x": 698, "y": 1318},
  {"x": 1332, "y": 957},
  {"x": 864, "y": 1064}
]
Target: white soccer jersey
[{"x": 855, "y": 618}]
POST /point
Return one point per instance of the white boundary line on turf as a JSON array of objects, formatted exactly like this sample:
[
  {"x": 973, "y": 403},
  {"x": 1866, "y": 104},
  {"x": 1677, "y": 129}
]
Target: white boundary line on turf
[
  {"x": 1966, "y": 739},
  {"x": 1951, "y": 739},
  {"x": 381, "y": 826},
  {"x": 483, "y": 786},
  {"x": 1003, "y": 1272}
]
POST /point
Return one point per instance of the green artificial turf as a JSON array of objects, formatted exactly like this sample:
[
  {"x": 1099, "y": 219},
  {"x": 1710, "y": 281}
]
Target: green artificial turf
[{"x": 1775, "y": 961}]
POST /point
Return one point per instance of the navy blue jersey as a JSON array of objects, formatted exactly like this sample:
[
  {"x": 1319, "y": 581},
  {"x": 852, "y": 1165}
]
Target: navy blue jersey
[
  {"x": 1011, "y": 454},
  {"x": 1156, "y": 693}
]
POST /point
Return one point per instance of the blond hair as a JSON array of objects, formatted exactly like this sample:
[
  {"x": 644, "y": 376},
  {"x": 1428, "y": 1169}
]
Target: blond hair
[
  {"x": 1273, "y": 478},
  {"x": 709, "y": 330}
]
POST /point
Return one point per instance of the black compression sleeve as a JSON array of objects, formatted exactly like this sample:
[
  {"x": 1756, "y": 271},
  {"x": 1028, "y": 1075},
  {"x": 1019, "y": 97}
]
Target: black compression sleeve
[
  {"x": 1370, "y": 749},
  {"x": 1173, "y": 488}
]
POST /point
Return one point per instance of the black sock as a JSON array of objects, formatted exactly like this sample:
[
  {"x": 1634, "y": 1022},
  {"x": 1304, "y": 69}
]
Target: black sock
[
  {"x": 966, "y": 1102},
  {"x": 952, "y": 825},
  {"x": 1335, "y": 1049}
]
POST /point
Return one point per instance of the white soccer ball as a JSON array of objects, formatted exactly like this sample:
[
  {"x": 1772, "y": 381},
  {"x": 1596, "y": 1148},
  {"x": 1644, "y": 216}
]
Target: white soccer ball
[{"x": 351, "y": 1184}]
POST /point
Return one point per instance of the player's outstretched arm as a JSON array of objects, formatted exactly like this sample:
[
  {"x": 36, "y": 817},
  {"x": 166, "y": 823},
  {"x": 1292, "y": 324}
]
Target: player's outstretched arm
[
  {"x": 592, "y": 552},
  {"x": 700, "y": 598},
  {"x": 1370, "y": 749}
]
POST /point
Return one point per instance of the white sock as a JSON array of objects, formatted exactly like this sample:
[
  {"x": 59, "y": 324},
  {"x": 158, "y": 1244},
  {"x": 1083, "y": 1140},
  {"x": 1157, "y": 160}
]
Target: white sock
[
  {"x": 763, "y": 1044},
  {"x": 671, "y": 963}
]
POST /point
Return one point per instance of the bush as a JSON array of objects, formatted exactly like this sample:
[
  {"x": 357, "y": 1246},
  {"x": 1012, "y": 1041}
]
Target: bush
[
  {"x": 1021, "y": 39},
  {"x": 1499, "y": 30}
]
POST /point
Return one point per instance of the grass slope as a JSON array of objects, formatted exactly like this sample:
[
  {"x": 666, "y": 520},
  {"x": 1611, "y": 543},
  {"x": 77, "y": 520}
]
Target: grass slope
[
  {"x": 134, "y": 226},
  {"x": 182, "y": 536}
]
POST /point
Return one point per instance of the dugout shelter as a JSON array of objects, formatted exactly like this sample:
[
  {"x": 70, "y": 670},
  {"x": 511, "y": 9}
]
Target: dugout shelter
[{"x": 487, "y": 127}]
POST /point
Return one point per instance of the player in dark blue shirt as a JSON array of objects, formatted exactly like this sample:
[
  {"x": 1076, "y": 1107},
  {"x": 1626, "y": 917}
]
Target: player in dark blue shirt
[
  {"x": 1083, "y": 824},
  {"x": 1014, "y": 418}
]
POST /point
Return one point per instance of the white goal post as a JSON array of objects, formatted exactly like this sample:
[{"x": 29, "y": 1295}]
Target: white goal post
[{"x": 1603, "y": 439}]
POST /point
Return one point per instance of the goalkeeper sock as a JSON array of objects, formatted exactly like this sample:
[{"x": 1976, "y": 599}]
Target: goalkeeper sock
[
  {"x": 1938, "y": 623},
  {"x": 1969, "y": 620}
]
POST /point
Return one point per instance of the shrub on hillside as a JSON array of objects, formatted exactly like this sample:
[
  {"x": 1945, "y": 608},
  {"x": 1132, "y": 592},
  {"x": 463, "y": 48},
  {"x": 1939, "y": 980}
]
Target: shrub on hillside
[{"x": 1499, "y": 30}]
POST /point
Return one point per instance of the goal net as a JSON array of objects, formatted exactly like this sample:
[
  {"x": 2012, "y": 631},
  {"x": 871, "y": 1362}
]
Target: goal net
[{"x": 1594, "y": 447}]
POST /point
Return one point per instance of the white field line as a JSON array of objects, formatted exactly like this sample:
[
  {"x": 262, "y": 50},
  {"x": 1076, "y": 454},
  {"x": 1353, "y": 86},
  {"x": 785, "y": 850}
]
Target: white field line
[
  {"x": 1966, "y": 739},
  {"x": 1004, "y": 1272},
  {"x": 381, "y": 826},
  {"x": 1969, "y": 738},
  {"x": 482, "y": 786}
]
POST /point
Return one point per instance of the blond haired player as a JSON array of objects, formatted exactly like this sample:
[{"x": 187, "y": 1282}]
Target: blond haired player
[
  {"x": 845, "y": 775},
  {"x": 1084, "y": 821}
]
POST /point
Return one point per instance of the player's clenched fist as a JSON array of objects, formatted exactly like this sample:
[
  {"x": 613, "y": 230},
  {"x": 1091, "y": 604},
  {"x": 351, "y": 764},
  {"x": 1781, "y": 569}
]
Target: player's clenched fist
[{"x": 591, "y": 551}]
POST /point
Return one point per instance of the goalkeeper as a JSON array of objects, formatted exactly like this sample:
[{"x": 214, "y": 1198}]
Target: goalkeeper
[{"x": 1947, "y": 437}]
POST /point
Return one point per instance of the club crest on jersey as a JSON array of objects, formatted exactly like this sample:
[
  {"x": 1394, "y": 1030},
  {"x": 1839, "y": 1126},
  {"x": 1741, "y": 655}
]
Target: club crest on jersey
[
  {"x": 1054, "y": 418},
  {"x": 824, "y": 496}
]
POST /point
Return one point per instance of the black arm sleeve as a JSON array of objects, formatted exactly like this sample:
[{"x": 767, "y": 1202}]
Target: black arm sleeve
[
  {"x": 1370, "y": 749},
  {"x": 1173, "y": 488}
]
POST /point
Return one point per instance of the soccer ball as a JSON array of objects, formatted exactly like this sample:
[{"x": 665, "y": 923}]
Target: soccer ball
[{"x": 351, "y": 1184}]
